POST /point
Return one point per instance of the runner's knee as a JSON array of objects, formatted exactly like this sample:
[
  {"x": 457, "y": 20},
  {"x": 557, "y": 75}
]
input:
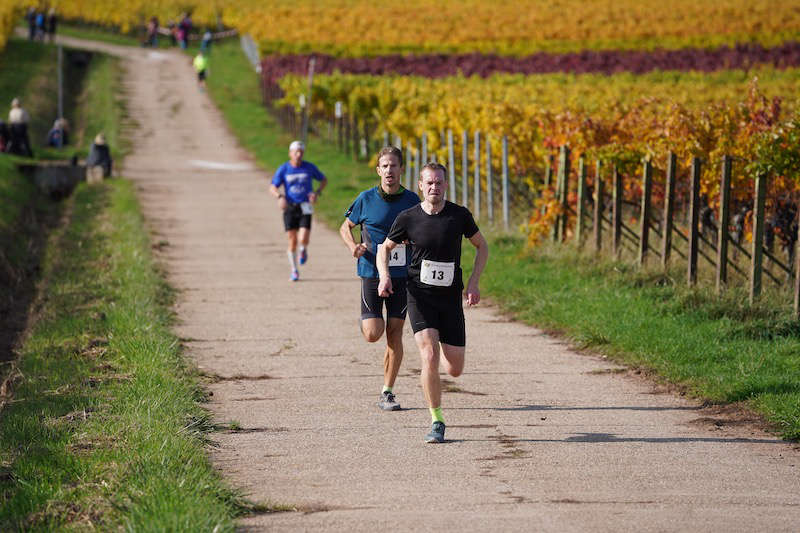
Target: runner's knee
[{"x": 372, "y": 329}]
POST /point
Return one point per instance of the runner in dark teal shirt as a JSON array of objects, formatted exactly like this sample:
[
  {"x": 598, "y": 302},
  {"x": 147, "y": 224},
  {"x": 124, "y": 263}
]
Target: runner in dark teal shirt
[{"x": 374, "y": 210}]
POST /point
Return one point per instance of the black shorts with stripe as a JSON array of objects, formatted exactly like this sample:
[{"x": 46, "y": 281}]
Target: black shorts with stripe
[
  {"x": 293, "y": 218},
  {"x": 439, "y": 310},
  {"x": 372, "y": 304}
]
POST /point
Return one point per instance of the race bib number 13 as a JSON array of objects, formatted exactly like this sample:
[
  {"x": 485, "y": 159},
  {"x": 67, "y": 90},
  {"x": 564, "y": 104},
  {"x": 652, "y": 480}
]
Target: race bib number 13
[
  {"x": 437, "y": 273},
  {"x": 397, "y": 257}
]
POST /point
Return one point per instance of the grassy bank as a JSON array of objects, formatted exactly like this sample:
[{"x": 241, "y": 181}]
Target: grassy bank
[
  {"x": 717, "y": 350},
  {"x": 104, "y": 429}
]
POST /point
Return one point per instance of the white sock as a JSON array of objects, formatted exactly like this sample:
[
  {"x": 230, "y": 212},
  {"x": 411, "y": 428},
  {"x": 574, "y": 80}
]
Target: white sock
[
  {"x": 302, "y": 248},
  {"x": 292, "y": 259}
]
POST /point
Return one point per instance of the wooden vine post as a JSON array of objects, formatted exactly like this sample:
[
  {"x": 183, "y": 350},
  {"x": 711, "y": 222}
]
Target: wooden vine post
[
  {"x": 579, "y": 223},
  {"x": 724, "y": 216},
  {"x": 644, "y": 226},
  {"x": 757, "y": 256},
  {"x": 616, "y": 220},
  {"x": 694, "y": 215},
  {"x": 598, "y": 208}
]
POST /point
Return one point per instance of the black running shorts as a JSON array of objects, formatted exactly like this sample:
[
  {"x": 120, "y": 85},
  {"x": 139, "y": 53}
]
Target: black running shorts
[
  {"x": 372, "y": 304},
  {"x": 294, "y": 218},
  {"x": 443, "y": 311}
]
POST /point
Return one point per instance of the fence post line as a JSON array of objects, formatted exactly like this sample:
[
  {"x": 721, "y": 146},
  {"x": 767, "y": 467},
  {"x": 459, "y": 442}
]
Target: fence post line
[
  {"x": 564, "y": 169},
  {"x": 557, "y": 195},
  {"x": 597, "y": 219},
  {"x": 489, "y": 191},
  {"x": 417, "y": 168},
  {"x": 669, "y": 207},
  {"x": 464, "y": 168},
  {"x": 451, "y": 165},
  {"x": 797, "y": 273},
  {"x": 356, "y": 139},
  {"x": 476, "y": 179},
  {"x": 724, "y": 215},
  {"x": 505, "y": 182},
  {"x": 694, "y": 213},
  {"x": 424, "y": 148},
  {"x": 579, "y": 225},
  {"x": 758, "y": 237},
  {"x": 409, "y": 161},
  {"x": 366, "y": 144},
  {"x": 616, "y": 226},
  {"x": 548, "y": 177},
  {"x": 340, "y": 125},
  {"x": 644, "y": 226},
  {"x": 385, "y": 138}
]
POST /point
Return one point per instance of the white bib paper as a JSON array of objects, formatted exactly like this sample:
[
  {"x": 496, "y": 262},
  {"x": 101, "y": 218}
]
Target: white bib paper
[
  {"x": 397, "y": 257},
  {"x": 437, "y": 273},
  {"x": 307, "y": 208}
]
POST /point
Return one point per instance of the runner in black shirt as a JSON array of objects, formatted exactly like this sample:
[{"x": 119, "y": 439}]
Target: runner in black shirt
[{"x": 434, "y": 229}]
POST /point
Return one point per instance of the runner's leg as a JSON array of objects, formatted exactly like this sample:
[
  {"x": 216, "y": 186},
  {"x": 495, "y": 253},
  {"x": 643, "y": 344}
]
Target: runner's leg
[
  {"x": 394, "y": 351},
  {"x": 428, "y": 344},
  {"x": 453, "y": 359},
  {"x": 372, "y": 329}
]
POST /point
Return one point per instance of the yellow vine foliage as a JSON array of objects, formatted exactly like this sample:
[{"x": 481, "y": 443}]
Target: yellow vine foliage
[
  {"x": 619, "y": 119},
  {"x": 8, "y": 16},
  {"x": 515, "y": 27}
]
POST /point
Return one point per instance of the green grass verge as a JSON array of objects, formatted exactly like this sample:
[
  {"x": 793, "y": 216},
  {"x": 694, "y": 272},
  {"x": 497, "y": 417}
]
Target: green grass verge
[
  {"x": 718, "y": 350},
  {"x": 104, "y": 429}
]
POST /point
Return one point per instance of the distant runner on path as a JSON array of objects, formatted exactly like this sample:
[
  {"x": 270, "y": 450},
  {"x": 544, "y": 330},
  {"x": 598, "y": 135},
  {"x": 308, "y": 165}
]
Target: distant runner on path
[
  {"x": 297, "y": 201},
  {"x": 434, "y": 228},
  {"x": 375, "y": 210}
]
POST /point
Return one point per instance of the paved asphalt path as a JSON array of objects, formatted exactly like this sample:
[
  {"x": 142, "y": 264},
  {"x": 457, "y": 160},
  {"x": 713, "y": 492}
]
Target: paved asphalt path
[{"x": 540, "y": 438}]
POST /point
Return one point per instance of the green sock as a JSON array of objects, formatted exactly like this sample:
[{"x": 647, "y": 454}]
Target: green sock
[
  {"x": 436, "y": 414},
  {"x": 386, "y": 389}
]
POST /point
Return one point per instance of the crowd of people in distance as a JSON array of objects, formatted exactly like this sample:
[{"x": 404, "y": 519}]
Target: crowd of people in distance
[
  {"x": 41, "y": 25},
  {"x": 178, "y": 33}
]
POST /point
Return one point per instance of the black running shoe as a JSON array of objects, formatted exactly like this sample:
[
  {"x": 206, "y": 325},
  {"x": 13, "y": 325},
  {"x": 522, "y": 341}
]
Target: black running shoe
[
  {"x": 387, "y": 402},
  {"x": 437, "y": 433}
]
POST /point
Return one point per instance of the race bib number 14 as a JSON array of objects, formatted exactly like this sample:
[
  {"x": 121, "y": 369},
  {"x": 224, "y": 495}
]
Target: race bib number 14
[
  {"x": 437, "y": 273},
  {"x": 397, "y": 257}
]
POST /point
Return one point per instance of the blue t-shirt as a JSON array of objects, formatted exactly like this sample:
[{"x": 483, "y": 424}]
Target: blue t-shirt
[
  {"x": 297, "y": 180},
  {"x": 376, "y": 216}
]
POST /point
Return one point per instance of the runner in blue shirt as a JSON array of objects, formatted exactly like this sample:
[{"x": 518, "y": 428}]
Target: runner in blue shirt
[
  {"x": 375, "y": 210},
  {"x": 297, "y": 201}
]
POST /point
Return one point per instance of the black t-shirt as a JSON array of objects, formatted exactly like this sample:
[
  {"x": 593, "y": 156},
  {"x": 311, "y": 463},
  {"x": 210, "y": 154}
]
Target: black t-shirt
[{"x": 435, "y": 238}]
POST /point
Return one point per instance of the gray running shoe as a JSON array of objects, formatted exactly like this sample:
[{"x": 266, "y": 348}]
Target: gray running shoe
[
  {"x": 437, "y": 433},
  {"x": 387, "y": 402}
]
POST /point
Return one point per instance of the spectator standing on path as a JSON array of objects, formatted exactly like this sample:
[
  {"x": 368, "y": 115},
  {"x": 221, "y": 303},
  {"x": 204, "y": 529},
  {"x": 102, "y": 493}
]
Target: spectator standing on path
[
  {"x": 201, "y": 66},
  {"x": 41, "y": 25},
  {"x": 4, "y": 135},
  {"x": 99, "y": 158},
  {"x": 30, "y": 17},
  {"x": 58, "y": 135},
  {"x": 52, "y": 24},
  {"x": 152, "y": 32},
  {"x": 18, "y": 120},
  {"x": 375, "y": 210},
  {"x": 435, "y": 228},
  {"x": 297, "y": 201},
  {"x": 184, "y": 28},
  {"x": 205, "y": 44}
]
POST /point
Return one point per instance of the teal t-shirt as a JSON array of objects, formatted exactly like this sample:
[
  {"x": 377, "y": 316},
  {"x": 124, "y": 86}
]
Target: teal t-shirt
[{"x": 376, "y": 216}]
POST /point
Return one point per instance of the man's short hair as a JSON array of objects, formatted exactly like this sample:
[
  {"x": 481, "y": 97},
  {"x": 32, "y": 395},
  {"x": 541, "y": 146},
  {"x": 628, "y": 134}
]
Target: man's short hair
[
  {"x": 437, "y": 167},
  {"x": 391, "y": 150},
  {"x": 297, "y": 145}
]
